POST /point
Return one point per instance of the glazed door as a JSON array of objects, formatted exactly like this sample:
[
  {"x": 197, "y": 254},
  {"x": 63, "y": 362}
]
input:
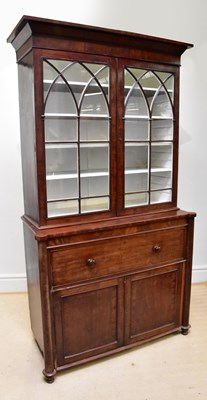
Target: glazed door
[
  {"x": 79, "y": 117},
  {"x": 148, "y": 136},
  {"x": 88, "y": 320},
  {"x": 153, "y": 302}
]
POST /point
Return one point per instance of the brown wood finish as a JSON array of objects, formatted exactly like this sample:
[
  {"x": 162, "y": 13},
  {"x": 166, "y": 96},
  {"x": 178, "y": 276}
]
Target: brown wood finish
[
  {"x": 147, "y": 315},
  {"x": 92, "y": 313},
  {"x": 99, "y": 282},
  {"x": 118, "y": 255}
]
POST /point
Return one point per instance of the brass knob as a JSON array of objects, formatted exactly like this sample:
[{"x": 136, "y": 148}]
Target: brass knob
[
  {"x": 157, "y": 249},
  {"x": 90, "y": 262}
]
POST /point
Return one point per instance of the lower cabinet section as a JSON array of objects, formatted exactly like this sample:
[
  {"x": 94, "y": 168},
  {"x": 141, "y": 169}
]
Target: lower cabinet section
[
  {"x": 99, "y": 292},
  {"x": 99, "y": 317}
]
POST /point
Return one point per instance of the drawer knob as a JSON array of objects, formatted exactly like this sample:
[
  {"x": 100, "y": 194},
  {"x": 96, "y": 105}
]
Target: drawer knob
[
  {"x": 90, "y": 262},
  {"x": 157, "y": 249}
]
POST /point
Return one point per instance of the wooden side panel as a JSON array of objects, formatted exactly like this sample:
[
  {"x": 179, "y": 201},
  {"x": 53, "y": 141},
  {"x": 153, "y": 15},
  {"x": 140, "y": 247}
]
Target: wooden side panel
[
  {"x": 88, "y": 320},
  {"x": 188, "y": 276},
  {"x": 153, "y": 302},
  {"x": 33, "y": 281},
  {"x": 28, "y": 141}
]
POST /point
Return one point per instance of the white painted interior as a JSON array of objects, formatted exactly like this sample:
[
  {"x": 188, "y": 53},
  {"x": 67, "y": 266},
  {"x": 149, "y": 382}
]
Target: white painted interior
[{"x": 179, "y": 20}]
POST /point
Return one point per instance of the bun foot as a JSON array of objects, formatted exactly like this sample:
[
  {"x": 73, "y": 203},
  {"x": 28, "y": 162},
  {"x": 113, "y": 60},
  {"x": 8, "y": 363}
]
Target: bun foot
[
  {"x": 185, "y": 329},
  {"x": 49, "y": 376}
]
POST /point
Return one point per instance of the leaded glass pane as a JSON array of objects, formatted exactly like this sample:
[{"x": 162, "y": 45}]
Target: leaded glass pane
[
  {"x": 94, "y": 204},
  {"x": 94, "y": 101},
  {"x": 161, "y": 106},
  {"x": 161, "y": 129},
  {"x": 136, "y": 103},
  {"x": 136, "y": 199},
  {"x": 94, "y": 129},
  {"x": 62, "y": 208},
  {"x": 136, "y": 129},
  {"x": 136, "y": 182},
  {"x": 162, "y": 196},
  {"x": 61, "y": 129}
]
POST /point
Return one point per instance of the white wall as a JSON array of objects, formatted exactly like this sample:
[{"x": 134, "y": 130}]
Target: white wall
[{"x": 180, "y": 20}]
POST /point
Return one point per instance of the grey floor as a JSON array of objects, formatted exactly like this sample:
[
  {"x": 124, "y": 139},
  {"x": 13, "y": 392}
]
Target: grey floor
[{"x": 174, "y": 367}]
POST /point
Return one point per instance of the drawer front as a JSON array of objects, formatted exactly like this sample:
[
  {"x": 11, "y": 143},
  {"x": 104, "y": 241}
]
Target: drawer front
[
  {"x": 155, "y": 248},
  {"x": 85, "y": 261},
  {"x": 99, "y": 258}
]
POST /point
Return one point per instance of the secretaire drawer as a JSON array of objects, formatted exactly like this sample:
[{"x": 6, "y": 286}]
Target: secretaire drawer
[
  {"x": 155, "y": 248},
  {"x": 122, "y": 254},
  {"x": 85, "y": 261}
]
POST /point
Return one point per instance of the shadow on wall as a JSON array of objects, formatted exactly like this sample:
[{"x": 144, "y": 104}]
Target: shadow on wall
[{"x": 184, "y": 136}]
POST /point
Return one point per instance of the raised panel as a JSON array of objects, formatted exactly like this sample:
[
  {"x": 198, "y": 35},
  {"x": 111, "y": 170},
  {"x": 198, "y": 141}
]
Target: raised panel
[
  {"x": 153, "y": 302},
  {"x": 88, "y": 320}
]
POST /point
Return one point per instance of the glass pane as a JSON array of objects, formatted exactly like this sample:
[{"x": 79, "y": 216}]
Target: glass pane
[
  {"x": 161, "y": 106},
  {"x": 103, "y": 78},
  {"x": 161, "y": 156},
  {"x": 53, "y": 68},
  {"x": 162, "y": 129},
  {"x": 136, "y": 129},
  {"x": 136, "y": 156},
  {"x": 169, "y": 84},
  {"x": 77, "y": 74},
  {"x": 60, "y": 129},
  {"x": 136, "y": 199},
  {"x": 94, "y": 158},
  {"x": 62, "y": 188},
  {"x": 150, "y": 83},
  {"x": 94, "y": 129},
  {"x": 49, "y": 74},
  {"x": 168, "y": 80},
  {"x": 94, "y": 101},
  {"x": 96, "y": 204},
  {"x": 78, "y": 77},
  {"x": 94, "y": 68},
  {"x": 61, "y": 159},
  {"x": 60, "y": 208},
  {"x": 59, "y": 99},
  {"x": 161, "y": 180},
  {"x": 94, "y": 186},
  {"x": 162, "y": 196},
  {"x": 163, "y": 75},
  {"x": 136, "y": 103},
  {"x": 136, "y": 182},
  {"x": 136, "y": 75}
]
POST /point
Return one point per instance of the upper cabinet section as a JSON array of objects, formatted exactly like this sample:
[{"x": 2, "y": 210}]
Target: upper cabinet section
[{"x": 99, "y": 121}]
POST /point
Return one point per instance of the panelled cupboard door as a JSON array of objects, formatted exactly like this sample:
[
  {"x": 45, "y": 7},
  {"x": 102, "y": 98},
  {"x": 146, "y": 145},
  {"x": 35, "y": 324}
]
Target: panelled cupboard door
[
  {"x": 153, "y": 302},
  {"x": 88, "y": 320}
]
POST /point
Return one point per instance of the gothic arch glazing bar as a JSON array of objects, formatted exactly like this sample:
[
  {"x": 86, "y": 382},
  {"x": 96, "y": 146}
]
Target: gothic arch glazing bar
[
  {"x": 148, "y": 136},
  {"x": 77, "y": 144}
]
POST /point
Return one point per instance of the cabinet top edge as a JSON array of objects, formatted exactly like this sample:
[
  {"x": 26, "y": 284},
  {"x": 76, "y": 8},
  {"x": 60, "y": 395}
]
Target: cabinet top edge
[
  {"x": 36, "y": 26},
  {"x": 48, "y": 232}
]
